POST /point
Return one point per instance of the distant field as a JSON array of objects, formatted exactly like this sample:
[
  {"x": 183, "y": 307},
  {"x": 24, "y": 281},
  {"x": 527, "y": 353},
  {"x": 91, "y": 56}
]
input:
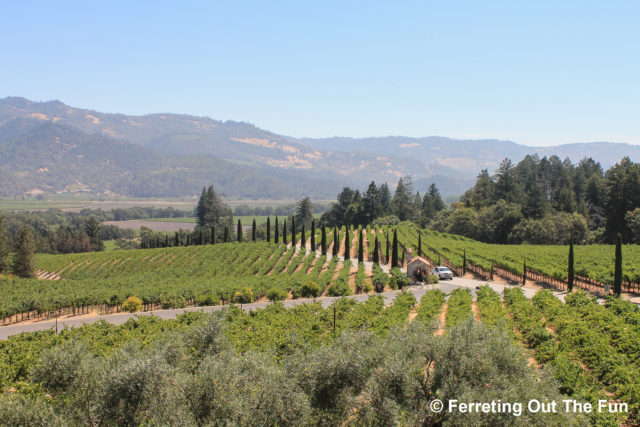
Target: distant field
[
  {"x": 76, "y": 203},
  {"x": 135, "y": 224}
]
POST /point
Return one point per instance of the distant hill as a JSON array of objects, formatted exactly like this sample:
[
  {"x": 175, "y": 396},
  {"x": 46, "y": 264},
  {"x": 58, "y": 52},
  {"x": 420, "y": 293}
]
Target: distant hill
[{"x": 51, "y": 146}]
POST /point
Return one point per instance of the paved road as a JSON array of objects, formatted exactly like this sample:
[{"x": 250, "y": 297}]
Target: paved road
[{"x": 117, "y": 319}]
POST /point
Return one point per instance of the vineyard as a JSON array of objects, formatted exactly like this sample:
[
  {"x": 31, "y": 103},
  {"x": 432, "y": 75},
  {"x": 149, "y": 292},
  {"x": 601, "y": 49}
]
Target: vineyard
[
  {"x": 316, "y": 362},
  {"x": 592, "y": 262}
]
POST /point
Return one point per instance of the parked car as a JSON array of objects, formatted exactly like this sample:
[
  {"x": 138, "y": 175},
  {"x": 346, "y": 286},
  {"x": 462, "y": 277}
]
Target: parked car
[{"x": 443, "y": 273}]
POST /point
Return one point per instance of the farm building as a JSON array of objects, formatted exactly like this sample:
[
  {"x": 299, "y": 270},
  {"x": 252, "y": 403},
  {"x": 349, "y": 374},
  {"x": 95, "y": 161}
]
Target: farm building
[{"x": 418, "y": 269}]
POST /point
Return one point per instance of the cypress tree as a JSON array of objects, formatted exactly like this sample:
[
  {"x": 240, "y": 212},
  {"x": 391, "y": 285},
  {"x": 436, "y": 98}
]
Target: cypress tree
[
  {"x": 336, "y": 241},
  {"x": 4, "y": 247},
  {"x": 284, "y": 231},
  {"x": 268, "y": 229},
  {"x": 419, "y": 244},
  {"x": 360, "y": 247},
  {"x": 464, "y": 262},
  {"x": 276, "y": 235},
  {"x": 166, "y": 241},
  {"x": 253, "y": 230},
  {"x": 313, "y": 235},
  {"x": 213, "y": 235},
  {"x": 323, "y": 240},
  {"x": 239, "y": 231},
  {"x": 347, "y": 245},
  {"x": 23, "y": 261},
  {"x": 189, "y": 239},
  {"x": 302, "y": 239},
  {"x": 226, "y": 234},
  {"x": 524, "y": 273},
  {"x": 176, "y": 239},
  {"x": 617, "y": 277},
  {"x": 376, "y": 250},
  {"x": 394, "y": 250},
  {"x": 201, "y": 237},
  {"x": 388, "y": 245},
  {"x": 293, "y": 231},
  {"x": 570, "y": 269}
]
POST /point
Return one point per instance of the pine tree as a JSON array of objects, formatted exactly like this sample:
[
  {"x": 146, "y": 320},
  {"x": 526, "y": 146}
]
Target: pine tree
[
  {"x": 570, "y": 269},
  {"x": 336, "y": 241},
  {"x": 360, "y": 247},
  {"x": 394, "y": 250},
  {"x": 226, "y": 234},
  {"x": 347, "y": 245},
  {"x": 284, "y": 231},
  {"x": 4, "y": 247},
  {"x": 323, "y": 240},
  {"x": 617, "y": 277},
  {"x": 213, "y": 235},
  {"x": 376, "y": 250},
  {"x": 268, "y": 229},
  {"x": 23, "y": 261},
  {"x": 253, "y": 231},
  {"x": 293, "y": 231},
  {"x": 419, "y": 244},
  {"x": 313, "y": 235},
  {"x": 277, "y": 232},
  {"x": 239, "y": 231},
  {"x": 201, "y": 208}
]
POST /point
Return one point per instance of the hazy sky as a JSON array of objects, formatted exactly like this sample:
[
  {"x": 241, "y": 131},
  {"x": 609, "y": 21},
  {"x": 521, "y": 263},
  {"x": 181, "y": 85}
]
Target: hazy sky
[{"x": 535, "y": 72}]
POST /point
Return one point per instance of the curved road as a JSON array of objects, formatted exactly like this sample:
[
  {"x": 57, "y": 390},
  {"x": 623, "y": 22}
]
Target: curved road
[{"x": 119, "y": 318}]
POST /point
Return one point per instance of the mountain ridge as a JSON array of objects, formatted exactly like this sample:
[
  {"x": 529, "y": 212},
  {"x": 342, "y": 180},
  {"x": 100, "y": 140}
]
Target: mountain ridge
[{"x": 452, "y": 163}]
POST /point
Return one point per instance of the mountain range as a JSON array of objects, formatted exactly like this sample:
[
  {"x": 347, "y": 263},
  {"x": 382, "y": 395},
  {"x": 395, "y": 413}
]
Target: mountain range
[{"x": 52, "y": 147}]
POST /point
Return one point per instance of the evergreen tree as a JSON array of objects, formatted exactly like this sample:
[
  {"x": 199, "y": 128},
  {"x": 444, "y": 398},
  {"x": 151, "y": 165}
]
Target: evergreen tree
[
  {"x": 293, "y": 231},
  {"x": 226, "y": 234},
  {"x": 336, "y": 241},
  {"x": 176, "y": 239},
  {"x": 360, "y": 247},
  {"x": 304, "y": 212},
  {"x": 464, "y": 262},
  {"x": 419, "y": 244},
  {"x": 323, "y": 241},
  {"x": 570, "y": 269},
  {"x": 268, "y": 229},
  {"x": 213, "y": 235},
  {"x": 313, "y": 235},
  {"x": 253, "y": 231},
  {"x": 166, "y": 241},
  {"x": 284, "y": 231},
  {"x": 201, "y": 237},
  {"x": 239, "y": 231},
  {"x": 617, "y": 277},
  {"x": 201, "y": 208},
  {"x": 23, "y": 261},
  {"x": 388, "y": 244},
  {"x": 384, "y": 200},
  {"x": 302, "y": 238},
  {"x": 524, "y": 273},
  {"x": 394, "y": 250},
  {"x": 276, "y": 235},
  {"x": 376, "y": 252},
  {"x": 347, "y": 244},
  {"x": 4, "y": 247}
]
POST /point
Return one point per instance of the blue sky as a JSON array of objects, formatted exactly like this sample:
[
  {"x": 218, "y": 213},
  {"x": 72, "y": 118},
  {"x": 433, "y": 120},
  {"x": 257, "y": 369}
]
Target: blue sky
[{"x": 536, "y": 72}]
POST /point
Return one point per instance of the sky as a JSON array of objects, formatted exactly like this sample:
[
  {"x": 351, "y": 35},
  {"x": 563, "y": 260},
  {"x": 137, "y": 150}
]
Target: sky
[{"x": 534, "y": 72}]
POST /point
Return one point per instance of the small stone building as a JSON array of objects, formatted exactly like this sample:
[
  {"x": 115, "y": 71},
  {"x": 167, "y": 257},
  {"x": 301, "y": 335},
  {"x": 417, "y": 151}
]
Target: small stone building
[{"x": 418, "y": 269}]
